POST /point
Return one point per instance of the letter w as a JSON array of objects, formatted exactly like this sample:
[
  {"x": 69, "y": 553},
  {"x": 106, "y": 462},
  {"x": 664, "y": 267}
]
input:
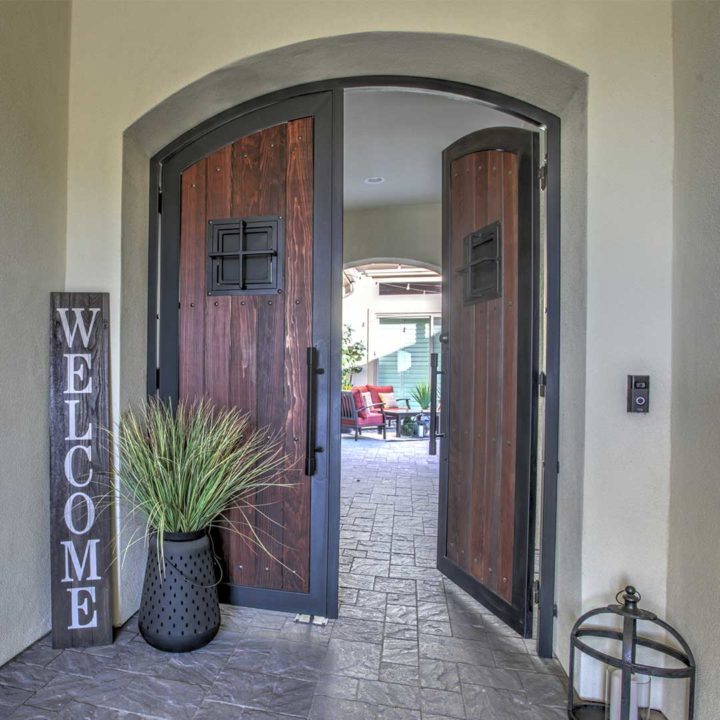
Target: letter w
[
  {"x": 79, "y": 324},
  {"x": 71, "y": 556}
]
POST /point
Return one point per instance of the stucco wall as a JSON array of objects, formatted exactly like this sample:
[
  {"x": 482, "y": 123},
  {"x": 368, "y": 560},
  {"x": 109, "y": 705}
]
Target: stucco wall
[
  {"x": 412, "y": 232},
  {"x": 694, "y": 572},
  {"x": 34, "y": 62},
  {"x": 128, "y": 57}
]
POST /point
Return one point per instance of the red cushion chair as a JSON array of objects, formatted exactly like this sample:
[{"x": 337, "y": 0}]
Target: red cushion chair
[
  {"x": 357, "y": 392},
  {"x": 375, "y": 391},
  {"x": 350, "y": 414}
]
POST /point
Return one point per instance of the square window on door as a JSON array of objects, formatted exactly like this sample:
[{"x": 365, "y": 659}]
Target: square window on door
[
  {"x": 483, "y": 264},
  {"x": 245, "y": 256}
]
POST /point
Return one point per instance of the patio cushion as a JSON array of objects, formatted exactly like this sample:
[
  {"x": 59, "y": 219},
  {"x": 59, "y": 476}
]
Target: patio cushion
[
  {"x": 373, "y": 419},
  {"x": 359, "y": 402},
  {"x": 388, "y": 399},
  {"x": 375, "y": 391}
]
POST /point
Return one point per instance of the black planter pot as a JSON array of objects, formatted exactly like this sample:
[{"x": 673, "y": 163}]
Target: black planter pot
[{"x": 179, "y": 611}]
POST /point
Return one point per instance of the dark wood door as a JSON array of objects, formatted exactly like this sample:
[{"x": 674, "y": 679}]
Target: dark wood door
[
  {"x": 488, "y": 360},
  {"x": 253, "y": 262}
]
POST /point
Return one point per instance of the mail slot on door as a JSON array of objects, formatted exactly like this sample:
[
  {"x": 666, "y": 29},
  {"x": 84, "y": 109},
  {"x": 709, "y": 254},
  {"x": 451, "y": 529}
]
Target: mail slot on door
[{"x": 638, "y": 393}]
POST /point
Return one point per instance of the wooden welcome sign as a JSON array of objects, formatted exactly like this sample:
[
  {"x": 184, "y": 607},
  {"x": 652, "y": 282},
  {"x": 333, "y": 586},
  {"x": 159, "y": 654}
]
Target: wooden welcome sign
[{"x": 80, "y": 501}]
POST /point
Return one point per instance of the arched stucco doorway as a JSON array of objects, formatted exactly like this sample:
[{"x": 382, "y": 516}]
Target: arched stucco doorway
[{"x": 511, "y": 77}]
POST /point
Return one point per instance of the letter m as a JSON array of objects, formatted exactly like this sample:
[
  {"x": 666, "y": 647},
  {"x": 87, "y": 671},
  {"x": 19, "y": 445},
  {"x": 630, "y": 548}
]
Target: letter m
[{"x": 71, "y": 557}]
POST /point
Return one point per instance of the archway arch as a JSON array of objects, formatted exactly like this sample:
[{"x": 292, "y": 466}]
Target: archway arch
[
  {"x": 395, "y": 260},
  {"x": 511, "y": 76}
]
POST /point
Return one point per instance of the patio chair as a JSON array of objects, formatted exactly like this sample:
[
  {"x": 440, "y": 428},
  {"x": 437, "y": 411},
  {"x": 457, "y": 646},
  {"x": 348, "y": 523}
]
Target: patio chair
[
  {"x": 356, "y": 416},
  {"x": 376, "y": 390}
]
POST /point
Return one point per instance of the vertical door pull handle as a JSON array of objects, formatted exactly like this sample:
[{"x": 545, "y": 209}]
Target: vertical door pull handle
[
  {"x": 434, "y": 434},
  {"x": 311, "y": 447}
]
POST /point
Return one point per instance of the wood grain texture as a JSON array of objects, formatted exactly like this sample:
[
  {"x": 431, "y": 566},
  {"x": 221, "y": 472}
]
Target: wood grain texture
[
  {"x": 298, "y": 336},
  {"x": 462, "y": 186},
  {"x": 91, "y": 411},
  {"x": 193, "y": 230},
  {"x": 483, "y": 372},
  {"x": 510, "y": 364},
  {"x": 254, "y": 346}
]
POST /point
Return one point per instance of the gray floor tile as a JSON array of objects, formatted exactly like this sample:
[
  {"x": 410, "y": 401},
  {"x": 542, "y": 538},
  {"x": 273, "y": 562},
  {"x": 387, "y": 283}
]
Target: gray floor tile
[
  {"x": 395, "y": 673},
  {"x": 403, "y": 652},
  {"x": 356, "y": 659},
  {"x": 440, "y": 675},
  {"x": 337, "y": 686},
  {"x": 296, "y": 660},
  {"x": 435, "y": 702},
  {"x": 25, "y": 677},
  {"x": 386, "y": 693},
  {"x": 396, "y": 713},
  {"x": 27, "y": 712},
  {"x": 408, "y": 645},
  {"x": 272, "y": 693},
  {"x": 324, "y": 708}
]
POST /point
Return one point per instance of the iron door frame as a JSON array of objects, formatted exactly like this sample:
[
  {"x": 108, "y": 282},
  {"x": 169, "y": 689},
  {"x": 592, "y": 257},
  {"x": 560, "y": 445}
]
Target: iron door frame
[
  {"x": 337, "y": 86},
  {"x": 525, "y": 144},
  {"x": 321, "y": 599}
]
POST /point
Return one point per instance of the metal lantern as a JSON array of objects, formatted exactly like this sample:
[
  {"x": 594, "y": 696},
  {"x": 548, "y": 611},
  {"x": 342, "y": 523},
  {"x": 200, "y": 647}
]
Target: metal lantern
[{"x": 627, "y": 694}]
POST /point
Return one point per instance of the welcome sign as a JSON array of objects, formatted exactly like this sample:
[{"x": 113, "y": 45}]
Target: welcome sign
[{"x": 80, "y": 501}]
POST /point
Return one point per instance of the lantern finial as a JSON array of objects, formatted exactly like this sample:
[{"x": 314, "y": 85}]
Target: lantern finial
[{"x": 630, "y": 596}]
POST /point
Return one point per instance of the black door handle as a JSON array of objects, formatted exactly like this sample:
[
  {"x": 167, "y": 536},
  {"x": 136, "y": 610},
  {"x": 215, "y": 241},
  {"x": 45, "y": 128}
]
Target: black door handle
[
  {"x": 311, "y": 447},
  {"x": 434, "y": 434}
]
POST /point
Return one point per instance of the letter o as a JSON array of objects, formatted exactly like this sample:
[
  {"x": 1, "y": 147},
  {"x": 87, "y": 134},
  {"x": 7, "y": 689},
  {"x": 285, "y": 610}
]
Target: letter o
[{"x": 90, "y": 513}]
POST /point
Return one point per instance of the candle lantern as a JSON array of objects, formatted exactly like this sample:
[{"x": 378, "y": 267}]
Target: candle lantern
[{"x": 629, "y": 677}]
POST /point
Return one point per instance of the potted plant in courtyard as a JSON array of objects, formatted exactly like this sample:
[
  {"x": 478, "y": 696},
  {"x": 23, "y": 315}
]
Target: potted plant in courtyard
[
  {"x": 421, "y": 395},
  {"x": 186, "y": 470}
]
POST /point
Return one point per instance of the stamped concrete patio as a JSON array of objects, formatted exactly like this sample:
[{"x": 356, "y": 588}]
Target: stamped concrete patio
[{"x": 408, "y": 645}]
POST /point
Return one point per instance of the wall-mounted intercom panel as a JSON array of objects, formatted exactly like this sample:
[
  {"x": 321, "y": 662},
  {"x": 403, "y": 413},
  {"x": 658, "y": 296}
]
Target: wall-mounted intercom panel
[{"x": 638, "y": 393}]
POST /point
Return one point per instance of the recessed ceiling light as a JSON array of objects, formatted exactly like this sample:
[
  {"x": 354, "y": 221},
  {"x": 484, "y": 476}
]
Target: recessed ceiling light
[{"x": 374, "y": 180}]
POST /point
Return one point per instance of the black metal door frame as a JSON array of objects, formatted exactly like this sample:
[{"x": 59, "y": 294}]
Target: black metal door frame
[
  {"x": 320, "y": 600},
  {"x": 161, "y": 356}
]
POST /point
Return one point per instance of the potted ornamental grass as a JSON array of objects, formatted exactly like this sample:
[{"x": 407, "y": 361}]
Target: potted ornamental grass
[{"x": 188, "y": 470}]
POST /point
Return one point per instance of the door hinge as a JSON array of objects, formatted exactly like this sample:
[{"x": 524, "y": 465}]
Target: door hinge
[
  {"x": 542, "y": 384},
  {"x": 157, "y": 378},
  {"x": 555, "y": 610},
  {"x": 159, "y": 203},
  {"x": 542, "y": 174},
  {"x": 536, "y": 592}
]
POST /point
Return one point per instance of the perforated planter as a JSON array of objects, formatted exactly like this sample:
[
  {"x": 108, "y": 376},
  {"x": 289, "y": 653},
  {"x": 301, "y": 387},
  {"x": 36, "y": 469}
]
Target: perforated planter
[{"x": 179, "y": 610}]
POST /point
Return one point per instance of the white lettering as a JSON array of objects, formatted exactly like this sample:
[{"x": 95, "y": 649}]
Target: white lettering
[
  {"x": 76, "y": 607},
  {"x": 72, "y": 421},
  {"x": 71, "y": 556},
  {"x": 79, "y": 324},
  {"x": 69, "y": 474},
  {"x": 80, "y": 372},
  {"x": 89, "y": 513}
]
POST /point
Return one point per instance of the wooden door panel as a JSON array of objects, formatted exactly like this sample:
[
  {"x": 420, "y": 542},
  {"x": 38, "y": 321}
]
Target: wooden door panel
[
  {"x": 484, "y": 518},
  {"x": 249, "y": 351}
]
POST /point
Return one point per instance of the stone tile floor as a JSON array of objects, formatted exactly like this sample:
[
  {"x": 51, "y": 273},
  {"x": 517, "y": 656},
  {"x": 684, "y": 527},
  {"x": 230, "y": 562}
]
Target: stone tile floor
[{"x": 408, "y": 645}]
